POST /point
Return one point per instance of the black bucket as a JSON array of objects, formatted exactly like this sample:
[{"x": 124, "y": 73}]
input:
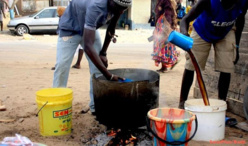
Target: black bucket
[{"x": 125, "y": 105}]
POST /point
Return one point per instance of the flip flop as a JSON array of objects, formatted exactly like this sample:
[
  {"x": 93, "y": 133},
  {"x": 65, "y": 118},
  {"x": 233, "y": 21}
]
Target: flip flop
[
  {"x": 174, "y": 64},
  {"x": 162, "y": 71},
  {"x": 231, "y": 121},
  {"x": 74, "y": 66}
]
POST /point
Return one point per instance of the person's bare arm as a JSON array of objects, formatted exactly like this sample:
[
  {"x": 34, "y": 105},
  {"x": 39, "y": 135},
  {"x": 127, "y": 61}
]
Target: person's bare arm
[
  {"x": 239, "y": 28},
  {"x": 2, "y": 8},
  {"x": 88, "y": 38},
  {"x": 109, "y": 34},
  {"x": 6, "y": 3},
  {"x": 195, "y": 11},
  {"x": 240, "y": 24},
  {"x": 3, "y": 13}
]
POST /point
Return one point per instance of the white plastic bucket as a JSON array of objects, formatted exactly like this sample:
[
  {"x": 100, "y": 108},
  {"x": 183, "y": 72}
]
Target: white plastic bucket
[{"x": 211, "y": 119}]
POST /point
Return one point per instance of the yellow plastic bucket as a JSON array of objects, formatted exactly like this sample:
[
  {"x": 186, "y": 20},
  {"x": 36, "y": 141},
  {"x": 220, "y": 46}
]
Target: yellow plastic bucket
[{"x": 55, "y": 111}]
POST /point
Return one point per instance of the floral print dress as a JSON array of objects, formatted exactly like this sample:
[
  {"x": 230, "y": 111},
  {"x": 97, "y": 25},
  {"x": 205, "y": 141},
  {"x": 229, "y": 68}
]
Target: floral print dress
[{"x": 163, "y": 51}]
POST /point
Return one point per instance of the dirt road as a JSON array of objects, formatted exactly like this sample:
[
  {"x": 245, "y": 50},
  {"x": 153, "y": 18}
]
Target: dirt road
[{"x": 26, "y": 68}]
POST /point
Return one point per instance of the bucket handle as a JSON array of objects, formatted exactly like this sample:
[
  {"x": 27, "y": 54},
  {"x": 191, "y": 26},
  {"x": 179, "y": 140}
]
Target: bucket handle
[
  {"x": 41, "y": 108},
  {"x": 174, "y": 142}
]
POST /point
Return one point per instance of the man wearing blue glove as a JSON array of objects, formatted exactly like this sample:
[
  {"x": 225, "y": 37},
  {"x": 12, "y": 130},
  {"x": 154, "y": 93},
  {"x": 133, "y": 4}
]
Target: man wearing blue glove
[{"x": 78, "y": 25}]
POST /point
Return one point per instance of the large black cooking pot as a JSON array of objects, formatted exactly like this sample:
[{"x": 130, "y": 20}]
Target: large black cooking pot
[{"x": 125, "y": 105}]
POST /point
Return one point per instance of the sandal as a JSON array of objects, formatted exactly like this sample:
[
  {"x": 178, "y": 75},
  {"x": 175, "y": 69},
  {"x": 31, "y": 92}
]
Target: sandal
[
  {"x": 75, "y": 66},
  {"x": 174, "y": 65},
  {"x": 230, "y": 121},
  {"x": 162, "y": 70}
]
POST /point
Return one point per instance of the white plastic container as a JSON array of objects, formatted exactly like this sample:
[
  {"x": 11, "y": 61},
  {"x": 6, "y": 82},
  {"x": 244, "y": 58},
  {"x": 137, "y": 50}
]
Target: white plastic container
[{"x": 211, "y": 119}]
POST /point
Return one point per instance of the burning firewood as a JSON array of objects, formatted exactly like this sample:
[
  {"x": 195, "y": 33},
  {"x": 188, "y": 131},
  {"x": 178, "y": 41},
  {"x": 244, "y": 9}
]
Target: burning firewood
[
  {"x": 124, "y": 137},
  {"x": 121, "y": 137}
]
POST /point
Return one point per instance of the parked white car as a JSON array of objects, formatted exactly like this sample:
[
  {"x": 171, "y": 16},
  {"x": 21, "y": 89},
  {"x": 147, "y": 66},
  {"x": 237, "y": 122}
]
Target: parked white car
[{"x": 46, "y": 20}]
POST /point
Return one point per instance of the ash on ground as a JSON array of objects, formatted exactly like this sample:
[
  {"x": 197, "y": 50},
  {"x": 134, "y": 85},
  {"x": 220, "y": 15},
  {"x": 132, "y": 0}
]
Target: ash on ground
[{"x": 143, "y": 138}]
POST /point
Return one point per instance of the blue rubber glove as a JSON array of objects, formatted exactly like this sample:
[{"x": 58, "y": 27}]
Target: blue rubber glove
[{"x": 126, "y": 80}]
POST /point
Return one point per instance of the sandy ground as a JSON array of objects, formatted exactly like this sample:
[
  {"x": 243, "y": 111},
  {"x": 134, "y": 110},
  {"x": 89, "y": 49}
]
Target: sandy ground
[{"x": 26, "y": 68}]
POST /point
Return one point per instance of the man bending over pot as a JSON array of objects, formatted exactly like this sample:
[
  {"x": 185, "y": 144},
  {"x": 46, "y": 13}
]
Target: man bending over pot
[{"x": 78, "y": 25}]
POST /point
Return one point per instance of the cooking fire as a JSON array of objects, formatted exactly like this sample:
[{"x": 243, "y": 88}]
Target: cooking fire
[
  {"x": 124, "y": 137},
  {"x": 121, "y": 137}
]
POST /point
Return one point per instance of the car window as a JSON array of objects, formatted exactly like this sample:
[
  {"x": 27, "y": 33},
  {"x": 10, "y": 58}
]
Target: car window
[
  {"x": 32, "y": 15},
  {"x": 56, "y": 14},
  {"x": 48, "y": 13}
]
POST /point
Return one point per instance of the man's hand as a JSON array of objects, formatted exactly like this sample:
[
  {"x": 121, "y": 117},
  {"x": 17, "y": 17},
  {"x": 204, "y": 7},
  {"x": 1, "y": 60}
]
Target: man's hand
[
  {"x": 116, "y": 78},
  {"x": 237, "y": 56},
  {"x": 185, "y": 33},
  {"x": 237, "y": 59},
  {"x": 104, "y": 60}
]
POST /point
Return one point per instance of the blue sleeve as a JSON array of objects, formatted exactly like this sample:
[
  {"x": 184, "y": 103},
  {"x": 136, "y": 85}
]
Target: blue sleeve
[{"x": 94, "y": 15}]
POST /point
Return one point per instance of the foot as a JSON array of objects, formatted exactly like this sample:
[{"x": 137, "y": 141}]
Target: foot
[
  {"x": 76, "y": 66},
  {"x": 84, "y": 111},
  {"x": 162, "y": 70},
  {"x": 93, "y": 111},
  {"x": 53, "y": 68},
  {"x": 231, "y": 121},
  {"x": 181, "y": 105},
  {"x": 174, "y": 65}
]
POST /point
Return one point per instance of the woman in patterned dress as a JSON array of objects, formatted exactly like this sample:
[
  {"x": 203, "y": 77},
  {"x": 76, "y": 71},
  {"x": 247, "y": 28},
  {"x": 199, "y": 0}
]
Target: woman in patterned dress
[{"x": 163, "y": 51}]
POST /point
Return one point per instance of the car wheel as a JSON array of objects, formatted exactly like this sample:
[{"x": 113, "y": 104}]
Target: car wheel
[{"x": 21, "y": 29}]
